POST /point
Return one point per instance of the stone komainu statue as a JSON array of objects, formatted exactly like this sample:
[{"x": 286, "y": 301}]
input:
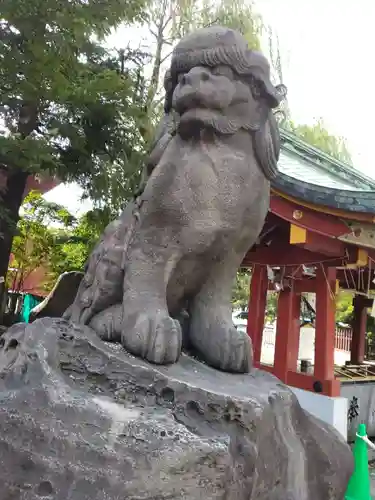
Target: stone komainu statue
[{"x": 174, "y": 253}]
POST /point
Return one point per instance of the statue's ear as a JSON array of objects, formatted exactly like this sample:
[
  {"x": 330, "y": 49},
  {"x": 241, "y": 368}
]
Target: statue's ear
[{"x": 259, "y": 69}]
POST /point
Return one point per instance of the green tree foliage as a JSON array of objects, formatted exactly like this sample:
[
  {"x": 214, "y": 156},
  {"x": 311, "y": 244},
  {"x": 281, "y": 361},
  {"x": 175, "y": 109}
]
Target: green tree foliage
[
  {"x": 68, "y": 108},
  {"x": 170, "y": 20},
  {"x": 74, "y": 246},
  {"x": 235, "y": 14},
  {"x": 344, "y": 307},
  {"x": 49, "y": 237},
  {"x": 318, "y": 136},
  {"x": 241, "y": 293},
  {"x": 241, "y": 290},
  {"x": 35, "y": 238}
]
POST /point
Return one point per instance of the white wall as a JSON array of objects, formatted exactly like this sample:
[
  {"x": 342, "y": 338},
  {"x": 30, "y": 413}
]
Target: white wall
[
  {"x": 364, "y": 405},
  {"x": 333, "y": 411}
]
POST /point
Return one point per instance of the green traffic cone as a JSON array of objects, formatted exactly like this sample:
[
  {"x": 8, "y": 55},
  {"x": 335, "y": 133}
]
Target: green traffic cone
[{"x": 359, "y": 484}]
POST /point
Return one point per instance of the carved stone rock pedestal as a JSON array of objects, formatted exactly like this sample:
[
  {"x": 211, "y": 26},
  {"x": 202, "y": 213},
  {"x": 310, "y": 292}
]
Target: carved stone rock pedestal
[{"x": 81, "y": 419}]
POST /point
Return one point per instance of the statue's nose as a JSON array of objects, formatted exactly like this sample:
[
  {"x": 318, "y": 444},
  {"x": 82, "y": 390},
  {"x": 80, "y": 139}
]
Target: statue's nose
[{"x": 196, "y": 76}]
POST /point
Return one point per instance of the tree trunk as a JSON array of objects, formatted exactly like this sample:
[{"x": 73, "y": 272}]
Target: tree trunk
[{"x": 11, "y": 202}]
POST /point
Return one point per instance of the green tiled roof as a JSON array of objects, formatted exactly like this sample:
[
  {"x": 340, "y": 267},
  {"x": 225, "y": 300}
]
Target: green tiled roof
[
  {"x": 302, "y": 162},
  {"x": 308, "y": 174}
]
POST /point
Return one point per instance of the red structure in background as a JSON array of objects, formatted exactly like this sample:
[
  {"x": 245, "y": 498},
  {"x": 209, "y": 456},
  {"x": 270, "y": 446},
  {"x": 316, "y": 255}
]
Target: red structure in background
[
  {"x": 32, "y": 283},
  {"x": 309, "y": 250},
  {"x": 34, "y": 183}
]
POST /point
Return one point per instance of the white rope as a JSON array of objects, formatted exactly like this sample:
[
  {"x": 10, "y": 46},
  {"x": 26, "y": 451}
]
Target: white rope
[{"x": 366, "y": 440}]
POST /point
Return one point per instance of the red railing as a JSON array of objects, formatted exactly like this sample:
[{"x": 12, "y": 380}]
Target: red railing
[
  {"x": 269, "y": 335},
  {"x": 343, "y": 339}
]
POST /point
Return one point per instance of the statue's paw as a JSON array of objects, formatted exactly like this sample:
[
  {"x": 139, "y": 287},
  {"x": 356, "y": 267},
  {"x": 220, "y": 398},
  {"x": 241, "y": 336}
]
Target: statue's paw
[
  {"x": 226, "y": 348},
  {"x": 79, "y": 314},
  {"x": 238, "y": 355},
  {"x": 157, "y": 338},
  {"x": 107, "y": 324}
]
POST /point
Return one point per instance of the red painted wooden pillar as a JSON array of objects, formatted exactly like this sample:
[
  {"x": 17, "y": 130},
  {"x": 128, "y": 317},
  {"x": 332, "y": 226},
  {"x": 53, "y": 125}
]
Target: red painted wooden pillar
[
  {"x": 357, "y": 353},
  {"x": 325, "y": 327},
  {"x": 287, "y": 333},
  {"x": 257, "y": 309}
]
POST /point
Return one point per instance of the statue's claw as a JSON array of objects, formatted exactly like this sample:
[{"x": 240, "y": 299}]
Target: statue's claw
[
  {"x": 155, "y": 337},
  {"x": 239, "y": 351},
  {"x": 224, "y": 347},
  {"x": 107, "y": 324}
]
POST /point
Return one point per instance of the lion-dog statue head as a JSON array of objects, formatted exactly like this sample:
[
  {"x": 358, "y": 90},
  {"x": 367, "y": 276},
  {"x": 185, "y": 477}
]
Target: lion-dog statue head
[{"x": 216, "y": 82}]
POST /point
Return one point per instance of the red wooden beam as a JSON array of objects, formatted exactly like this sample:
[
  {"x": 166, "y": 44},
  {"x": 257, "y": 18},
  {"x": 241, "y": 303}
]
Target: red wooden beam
[
  {"x": 300, "y": 285},
  {"x": 285, "y": 255},
  {"x": 257, "y": 309},
  {"x": 326, "y": 245},
  {"x": 325, "y": 325},
  {"x": 287, "y": 333},
  {"x": 281, "y": 253},
  {"x": 307, "y": 382},
  {"x": 317, "y": 222},
  {"x": 357, "y": 353},
  {"x": 305, "y": 285}
]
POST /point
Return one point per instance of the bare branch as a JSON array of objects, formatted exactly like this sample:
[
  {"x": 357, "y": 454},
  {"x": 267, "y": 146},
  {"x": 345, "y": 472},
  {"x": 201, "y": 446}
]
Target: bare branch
[
  {"x": 165, "y": 24},
  {"x": 163, "y": 59}
]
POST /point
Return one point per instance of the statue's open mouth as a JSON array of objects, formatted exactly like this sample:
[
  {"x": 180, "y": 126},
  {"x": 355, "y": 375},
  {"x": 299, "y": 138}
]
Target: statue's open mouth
[
  {"x": 199, "y": 114},
  {"x": 195, "y": 120},
  {"x": 195, "y": 100}
]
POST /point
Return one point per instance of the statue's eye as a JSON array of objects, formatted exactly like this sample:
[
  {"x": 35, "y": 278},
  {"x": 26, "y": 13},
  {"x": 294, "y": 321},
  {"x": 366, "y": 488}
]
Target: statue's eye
[
  {"x": 223, "y": 71},
  {"x": 254, "y": 87},
  {"x": 255, "y": 90}
]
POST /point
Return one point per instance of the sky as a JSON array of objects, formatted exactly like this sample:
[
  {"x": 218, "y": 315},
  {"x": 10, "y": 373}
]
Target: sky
[{"x": 327, "y": 49}]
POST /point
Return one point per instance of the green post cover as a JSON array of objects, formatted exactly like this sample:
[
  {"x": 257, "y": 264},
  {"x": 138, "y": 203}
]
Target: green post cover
[
  {"x": 29, "y": 302},
  {"x": 359, "y": 484}
]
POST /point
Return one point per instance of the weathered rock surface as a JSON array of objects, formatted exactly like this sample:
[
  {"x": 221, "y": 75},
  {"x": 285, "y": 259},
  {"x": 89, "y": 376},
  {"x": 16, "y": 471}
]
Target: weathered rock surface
[
  {"x": 60, "y": 297},
  {"x": 81, "y": 419}
]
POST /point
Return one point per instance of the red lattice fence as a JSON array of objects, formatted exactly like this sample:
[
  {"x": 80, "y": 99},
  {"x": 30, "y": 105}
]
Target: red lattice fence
[{"x": 343, "y": 338}]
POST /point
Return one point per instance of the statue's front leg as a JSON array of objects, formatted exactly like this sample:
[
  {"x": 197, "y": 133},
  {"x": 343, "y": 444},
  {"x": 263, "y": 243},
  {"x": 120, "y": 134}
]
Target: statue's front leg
[
  {"x": 147, "y": 329},
  {"x": 142, "y": 320},
  {"x": 212, "y": 333}
]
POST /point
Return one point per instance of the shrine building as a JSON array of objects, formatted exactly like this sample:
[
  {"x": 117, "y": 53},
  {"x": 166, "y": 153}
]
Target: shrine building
[{"x": 318, "y": 238}]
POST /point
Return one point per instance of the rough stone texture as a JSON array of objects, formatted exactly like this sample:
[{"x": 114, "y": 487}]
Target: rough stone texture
[
  {"x": 60, "y": 297},
  {"x": 176, "y": 250},
  {"x": 81, "y": 419}
]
